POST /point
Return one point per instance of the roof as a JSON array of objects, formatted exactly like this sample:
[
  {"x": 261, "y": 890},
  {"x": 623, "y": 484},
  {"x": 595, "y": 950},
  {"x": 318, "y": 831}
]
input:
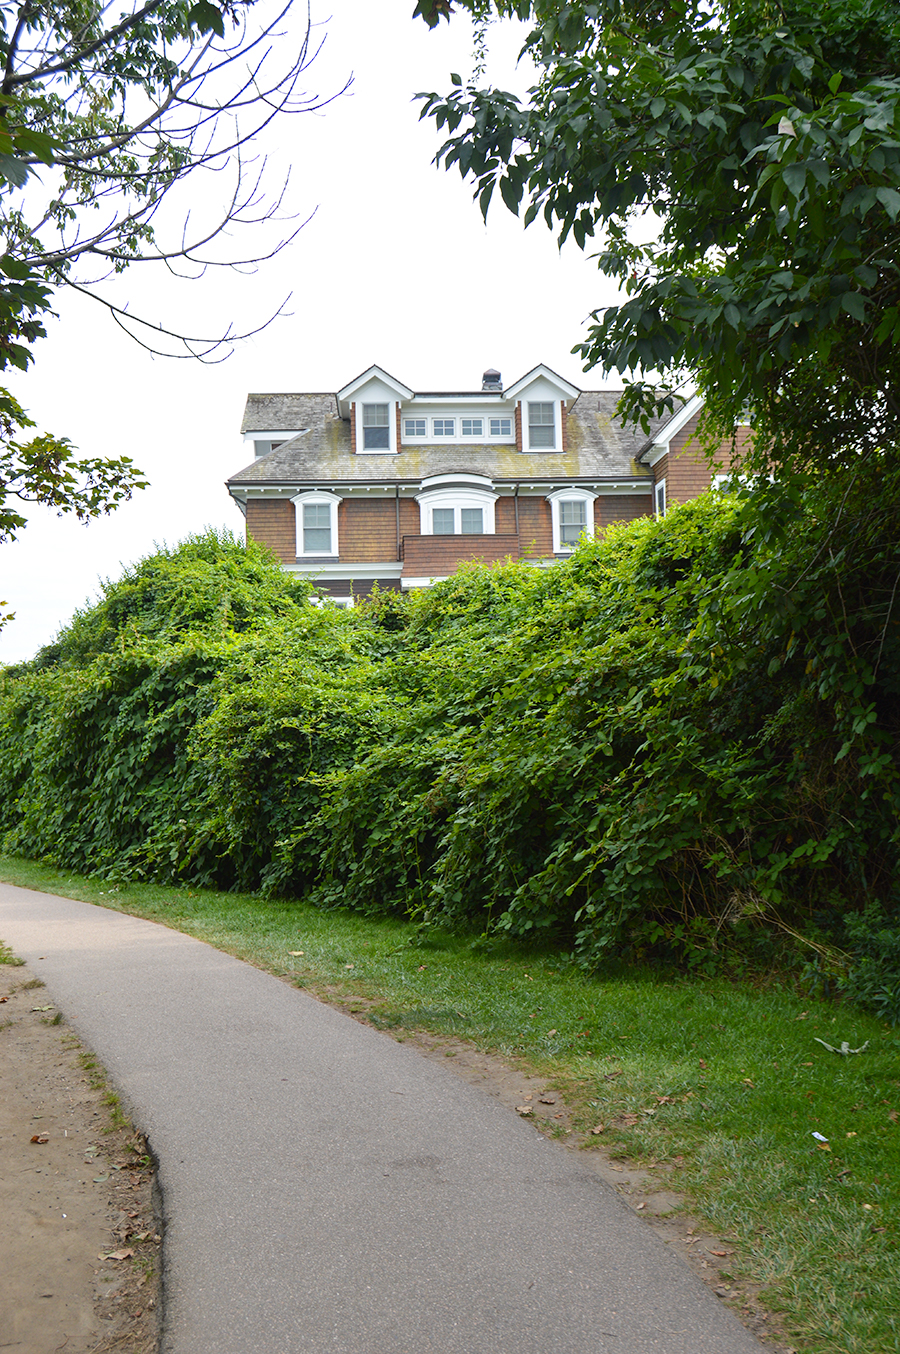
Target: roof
[{"x": 598, "y": 448}]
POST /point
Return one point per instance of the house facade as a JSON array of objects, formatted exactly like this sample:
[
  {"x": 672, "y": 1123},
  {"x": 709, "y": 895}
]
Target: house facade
[{"x": 381, "y": 483}]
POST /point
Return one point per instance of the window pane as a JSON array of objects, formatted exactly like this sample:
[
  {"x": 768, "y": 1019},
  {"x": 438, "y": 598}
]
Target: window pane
[
  {"x": 572, "y": 512},
  {"x": 541, "y": 428},
  {"x": 472, "y": 521},
  {"x": 501, "y": 427},
  {"x": 472, "y": 427},
  {"x": 316, "y": 528},
  {"x": 375, "y": 415},
  {"x": 442, "y": 521},
  {"x": 572, "y": 521},
  {"x": 444, "y": 427},
  {"x": 375, "y": 438}
]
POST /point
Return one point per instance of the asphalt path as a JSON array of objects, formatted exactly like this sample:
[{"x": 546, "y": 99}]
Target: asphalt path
[{"x": 327, "y": 1190}]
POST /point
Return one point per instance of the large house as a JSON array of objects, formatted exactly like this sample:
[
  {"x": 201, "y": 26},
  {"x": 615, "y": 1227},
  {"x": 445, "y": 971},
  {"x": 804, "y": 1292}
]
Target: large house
[{"x": 381, "y": 483}]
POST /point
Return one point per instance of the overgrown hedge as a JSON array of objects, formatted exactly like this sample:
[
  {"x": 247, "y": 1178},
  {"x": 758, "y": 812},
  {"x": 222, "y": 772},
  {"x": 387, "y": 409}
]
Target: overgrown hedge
[{"x": 681, "y": 741}]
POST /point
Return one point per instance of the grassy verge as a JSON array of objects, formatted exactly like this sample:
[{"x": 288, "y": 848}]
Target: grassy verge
[{"x": 727, "y": 1083}]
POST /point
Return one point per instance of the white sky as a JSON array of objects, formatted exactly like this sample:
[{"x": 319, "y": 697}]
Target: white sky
[{"x": 396, "y": 267}]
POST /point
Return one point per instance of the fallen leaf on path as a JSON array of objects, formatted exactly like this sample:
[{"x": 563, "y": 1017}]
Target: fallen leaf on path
[
  {"x": 547, "y": 1099},
  {"x": 720, "y": 1254},
  {"x": 640, "y": 1206},
  {"x": 524, "y": 1109},
  {"x": 41, "y": 1137},
  {"x": 117, "y": 1255},
  {"x": 42, "y": 1008}
]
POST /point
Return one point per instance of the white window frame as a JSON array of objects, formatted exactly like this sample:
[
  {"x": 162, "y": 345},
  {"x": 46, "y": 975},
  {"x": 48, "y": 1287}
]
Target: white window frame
[
  {"x": 659, "y": 498},
  {"x": 471, "y": 418},
  {"x": 456, "y": 498},
  {"x": 571, "y": 495},
  {"x": 506, "y": 418},
  {"x": 317, "y": 496},
  {"x": 444, "y": 418},
  {"x": 414, "y": 436}
]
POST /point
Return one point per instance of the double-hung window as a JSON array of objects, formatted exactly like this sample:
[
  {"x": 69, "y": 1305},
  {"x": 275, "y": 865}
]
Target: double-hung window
[
  {"x": 317, "y": 523},
  {"x": 572, "y": 521},
  {"x": 317, "y": 528},
  {"x": 659, "y": 496},
  {"x": 572, "y": 515},
  {"x": 541, "y": 425},
  {"x": 376, "y": 428}
]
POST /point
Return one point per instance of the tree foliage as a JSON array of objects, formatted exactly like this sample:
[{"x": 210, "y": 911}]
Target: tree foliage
[
  {"x": 674, "y": 745},
  {"x": 105, "y": 114},
  {"x": 757, "y": 145}
]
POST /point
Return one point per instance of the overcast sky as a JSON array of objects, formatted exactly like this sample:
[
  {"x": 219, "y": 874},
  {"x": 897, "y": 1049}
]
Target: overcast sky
[{"x": 395, "y": 267}]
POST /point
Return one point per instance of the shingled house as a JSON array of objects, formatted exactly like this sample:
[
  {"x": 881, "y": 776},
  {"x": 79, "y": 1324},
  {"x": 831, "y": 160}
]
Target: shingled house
[{"x": 381, "y": 483}]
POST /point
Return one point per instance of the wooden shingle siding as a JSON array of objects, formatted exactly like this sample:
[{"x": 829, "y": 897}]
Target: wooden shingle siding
[
  {"x": 367, "y": 529},
  {"x": 687, "y": 471},
  {"x": 435, "y": 556},
  {"x": 272, "y": 522},
  {"x": 621, "y": 508},
  {"x": 357, "y": 587},
  {"x": 535, "y": 527},
  {"x": 505, "y": 515}
]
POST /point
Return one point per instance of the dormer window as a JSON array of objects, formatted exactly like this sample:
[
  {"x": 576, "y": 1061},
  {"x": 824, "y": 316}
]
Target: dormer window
[
  {"x": 376, "y": 428},
  {"x": 541, "y": 425}
]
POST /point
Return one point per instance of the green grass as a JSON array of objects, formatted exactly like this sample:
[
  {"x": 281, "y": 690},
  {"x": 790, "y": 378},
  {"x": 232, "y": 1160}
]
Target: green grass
[{"x": 723, "y": 1081}]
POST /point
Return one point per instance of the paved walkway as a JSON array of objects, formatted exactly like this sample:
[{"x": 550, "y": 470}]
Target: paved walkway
[{"x": 330, "y": 1191}]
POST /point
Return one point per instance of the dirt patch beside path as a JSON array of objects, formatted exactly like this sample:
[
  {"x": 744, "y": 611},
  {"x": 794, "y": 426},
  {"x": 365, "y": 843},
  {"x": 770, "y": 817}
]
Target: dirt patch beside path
[{"x": 79, "y": 1244}]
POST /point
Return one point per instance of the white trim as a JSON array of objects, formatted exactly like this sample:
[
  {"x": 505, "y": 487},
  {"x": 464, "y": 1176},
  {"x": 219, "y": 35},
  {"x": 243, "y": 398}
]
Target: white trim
[
  {"x": 317, "y": 496},
  {"x": 564, "y": 387},
  {"x": 660, "y": 495},
  {"x": 456, "y": 497},
  {"x": 325, "y": 569},
  {"x": 346, "y": 393},
  {"x": 663, "y": 437},
  {"x": 571, "y": 495}
]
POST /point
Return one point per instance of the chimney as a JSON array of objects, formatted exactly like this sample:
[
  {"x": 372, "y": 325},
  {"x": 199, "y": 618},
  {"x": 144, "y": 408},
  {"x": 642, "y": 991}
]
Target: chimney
[{"x": 492, "y": 380}]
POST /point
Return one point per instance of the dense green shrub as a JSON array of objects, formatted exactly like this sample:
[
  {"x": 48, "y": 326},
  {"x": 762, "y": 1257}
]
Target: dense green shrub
[{"x": 675, "y": 744}]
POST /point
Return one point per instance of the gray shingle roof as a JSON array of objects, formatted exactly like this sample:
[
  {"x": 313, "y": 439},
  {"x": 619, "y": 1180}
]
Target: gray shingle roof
[{"x": 598, "y": 448}]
